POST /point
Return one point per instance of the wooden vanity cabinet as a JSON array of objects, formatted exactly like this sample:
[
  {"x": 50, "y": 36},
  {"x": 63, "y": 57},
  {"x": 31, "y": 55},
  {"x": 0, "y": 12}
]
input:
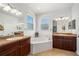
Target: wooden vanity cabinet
[
  {"x": 17, "y": 48},
  {"x": 10, "y": 49},
  {"x": 65, "y": 42}
]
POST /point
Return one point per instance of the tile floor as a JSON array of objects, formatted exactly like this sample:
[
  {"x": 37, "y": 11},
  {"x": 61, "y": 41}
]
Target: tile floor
[{"x": 56, "y": 52}]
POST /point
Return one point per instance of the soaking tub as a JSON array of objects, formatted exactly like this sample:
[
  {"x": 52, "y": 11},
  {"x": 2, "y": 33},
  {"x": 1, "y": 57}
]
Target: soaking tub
[{"x": 40, "y": 44}]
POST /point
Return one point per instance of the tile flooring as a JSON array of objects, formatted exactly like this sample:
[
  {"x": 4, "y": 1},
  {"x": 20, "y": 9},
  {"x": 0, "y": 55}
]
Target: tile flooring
[{"x": 56, "y": 52}]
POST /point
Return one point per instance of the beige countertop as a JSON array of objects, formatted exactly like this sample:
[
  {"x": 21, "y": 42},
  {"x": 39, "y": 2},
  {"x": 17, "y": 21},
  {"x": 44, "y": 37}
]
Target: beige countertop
[
  {"x": 11, "y": 39},
  {"x": 64, "y": 34}
]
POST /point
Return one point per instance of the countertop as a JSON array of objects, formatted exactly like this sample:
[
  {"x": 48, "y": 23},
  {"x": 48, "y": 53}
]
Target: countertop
[
  {"x": 11, "y": 39},
  {"x": 60, "y": 34}
]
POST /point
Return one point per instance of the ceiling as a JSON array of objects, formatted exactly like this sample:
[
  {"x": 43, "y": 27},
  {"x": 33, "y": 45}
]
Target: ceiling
[{"x": 39, "y": 8}]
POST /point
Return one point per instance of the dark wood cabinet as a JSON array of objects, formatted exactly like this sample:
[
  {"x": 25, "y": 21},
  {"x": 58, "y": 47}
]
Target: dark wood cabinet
[
  {"x": 9, "y": 49},
  {"x": 17, "y": 48},
  {"x": 65, "y": 42},
  {"x": 57, "y": 43}
]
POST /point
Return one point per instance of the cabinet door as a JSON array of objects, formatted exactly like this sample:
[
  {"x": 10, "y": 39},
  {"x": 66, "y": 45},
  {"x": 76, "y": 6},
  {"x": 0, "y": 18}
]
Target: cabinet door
[
  {"x": 23, "y": 51},
  {"x": 57, "y": 42},
  {"x": 28, "y": 47},
  {"x": 12, "y": 52},
  {"x": 25, "y": 47},
  {"x": 9, "y": 49},
  {"x": 69, "y": 43}
]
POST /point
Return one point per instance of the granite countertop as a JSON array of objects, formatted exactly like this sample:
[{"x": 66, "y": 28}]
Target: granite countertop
[{"x": 4, "y": 41}]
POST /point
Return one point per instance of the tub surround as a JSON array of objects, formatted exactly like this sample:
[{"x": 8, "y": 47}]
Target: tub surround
[
  {"x": 15, "y": 46},
  {"x": 66, "y": 41},
  {"x": 40, "y": 44}
]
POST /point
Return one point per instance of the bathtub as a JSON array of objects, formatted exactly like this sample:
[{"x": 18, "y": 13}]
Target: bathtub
[{"x": 40, "y": 44}]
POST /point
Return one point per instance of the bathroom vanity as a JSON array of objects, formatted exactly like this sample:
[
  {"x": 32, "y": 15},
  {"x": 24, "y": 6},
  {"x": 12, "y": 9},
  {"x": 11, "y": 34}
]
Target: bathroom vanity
[
  {"x": 15, "y": 46},
  {"x": 64, "y": 41}
]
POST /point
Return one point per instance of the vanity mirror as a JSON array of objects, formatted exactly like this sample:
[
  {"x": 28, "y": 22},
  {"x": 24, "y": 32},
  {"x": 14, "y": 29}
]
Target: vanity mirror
[{"x": 63, "y": 24}]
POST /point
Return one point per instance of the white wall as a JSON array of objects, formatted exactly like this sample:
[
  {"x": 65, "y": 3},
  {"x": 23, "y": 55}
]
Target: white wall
[
  {"x": 75, "y": 15},
  {"x": 59, "y": 13}
]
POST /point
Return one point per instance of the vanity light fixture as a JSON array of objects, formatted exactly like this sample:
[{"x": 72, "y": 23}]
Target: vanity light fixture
[
  {"x": 66, "y": 17},
  {"x": 61, "y": 18},
  {"x": 7, "y": 8},
  {"x": 14, "y": 11},
  {"x": 18, "y": 13}
]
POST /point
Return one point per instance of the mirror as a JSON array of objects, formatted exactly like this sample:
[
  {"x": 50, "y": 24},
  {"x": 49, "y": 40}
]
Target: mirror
[
  {"x": 54, "y": 26},
  {"x": 64, "y": 25}
]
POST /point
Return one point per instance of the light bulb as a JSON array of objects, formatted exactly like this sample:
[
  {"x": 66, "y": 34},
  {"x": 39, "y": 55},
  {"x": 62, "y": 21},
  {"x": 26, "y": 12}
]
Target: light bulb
[
  {"x": 6, "y": 8},
  {"x": 13, "y": 11},
  {"x": 66, "y": 17},
  {"x": 18, "y": 13}
]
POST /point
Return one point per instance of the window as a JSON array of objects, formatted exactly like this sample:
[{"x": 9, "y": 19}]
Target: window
[
  {"x": 44, "y": 23},
  {"x": 29, "y": 22}
]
